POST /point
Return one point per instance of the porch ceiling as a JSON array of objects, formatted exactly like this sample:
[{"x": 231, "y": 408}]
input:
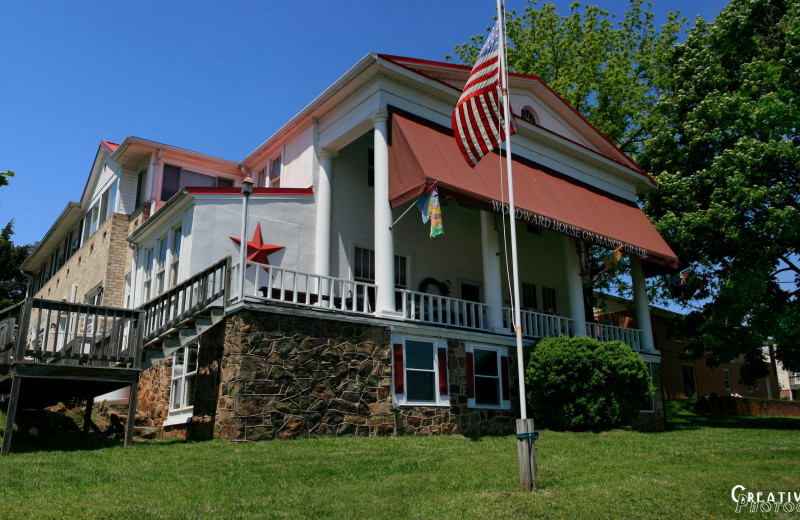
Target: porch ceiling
[{"x": 422, "y": 153}]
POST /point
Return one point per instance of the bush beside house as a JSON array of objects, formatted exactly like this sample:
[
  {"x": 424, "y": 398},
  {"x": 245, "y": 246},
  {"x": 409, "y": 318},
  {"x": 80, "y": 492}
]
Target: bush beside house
[{"x": 583, "y": 384}]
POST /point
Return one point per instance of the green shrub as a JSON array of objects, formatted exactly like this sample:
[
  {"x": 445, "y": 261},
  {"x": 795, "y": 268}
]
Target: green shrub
[{"x": 583, "y": 384}]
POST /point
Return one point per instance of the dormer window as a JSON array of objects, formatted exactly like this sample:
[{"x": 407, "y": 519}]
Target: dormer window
[
  {"x": 528, "y": 115},
  {"x": 176, "y": 178}
]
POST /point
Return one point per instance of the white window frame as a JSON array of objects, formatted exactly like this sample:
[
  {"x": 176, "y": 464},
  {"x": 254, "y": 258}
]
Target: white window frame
[
  {"x": 147, "y": 268},
  {"x": 504, "y": 404},
  {"x": 183, "y": 412},
  {"x": 726, "y": 378},
  {"x": 402, "y": 399},
  {"x": 175, "y": 238},
  {"x": 161, "y": 260}
]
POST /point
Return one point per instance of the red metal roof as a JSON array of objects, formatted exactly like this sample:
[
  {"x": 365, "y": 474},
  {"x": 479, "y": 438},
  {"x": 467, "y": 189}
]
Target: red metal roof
[
  {"x": 109, "y": 146},
  {"x": 420, "y": 155}
]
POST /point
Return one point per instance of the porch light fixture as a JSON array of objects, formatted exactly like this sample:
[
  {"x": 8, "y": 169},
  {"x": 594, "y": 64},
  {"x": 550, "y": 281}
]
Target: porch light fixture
[{"x": 247, "y": 186}]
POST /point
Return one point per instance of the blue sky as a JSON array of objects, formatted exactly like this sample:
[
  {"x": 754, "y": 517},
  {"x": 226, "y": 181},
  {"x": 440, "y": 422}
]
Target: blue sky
[{"x": 215, "y": 77}]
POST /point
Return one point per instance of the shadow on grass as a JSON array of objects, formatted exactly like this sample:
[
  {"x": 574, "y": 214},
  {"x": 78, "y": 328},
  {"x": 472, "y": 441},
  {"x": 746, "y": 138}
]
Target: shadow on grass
[
  {"x": 41, "y": 430},
  {"x": 681, "y": 415}
]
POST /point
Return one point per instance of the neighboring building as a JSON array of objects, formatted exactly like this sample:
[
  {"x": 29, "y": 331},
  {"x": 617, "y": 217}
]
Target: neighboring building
[
  {"x": 789, "y": 383},
  {"x": 351, "y": 319},
  {"x": 682, "y": 378}
]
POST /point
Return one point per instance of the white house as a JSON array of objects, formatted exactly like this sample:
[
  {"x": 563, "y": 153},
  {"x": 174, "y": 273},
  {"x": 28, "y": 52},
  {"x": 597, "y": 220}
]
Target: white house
[{"x": 352, "y": 320}]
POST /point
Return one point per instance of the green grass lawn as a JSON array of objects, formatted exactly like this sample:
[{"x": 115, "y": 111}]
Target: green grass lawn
[{"x": 687, "y": 472}]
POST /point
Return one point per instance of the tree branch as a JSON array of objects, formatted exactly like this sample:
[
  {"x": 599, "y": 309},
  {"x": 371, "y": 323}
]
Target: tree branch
[{"x": 790, "y": 264}]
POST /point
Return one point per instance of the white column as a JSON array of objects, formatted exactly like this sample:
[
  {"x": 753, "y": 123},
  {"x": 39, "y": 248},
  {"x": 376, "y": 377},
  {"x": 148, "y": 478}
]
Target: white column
[
  {"x": 384, "y": 242},
  {"x": 492, "y": 282},
  {"x": 641, "y": 304},
  {"x": 322, "y": 259},
  {"x": 572, "y": 265}
]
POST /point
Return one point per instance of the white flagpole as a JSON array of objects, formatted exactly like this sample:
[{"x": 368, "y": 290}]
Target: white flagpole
[
  {"x": 525, "y": 443},
  {"x": 511, "y": 210}
]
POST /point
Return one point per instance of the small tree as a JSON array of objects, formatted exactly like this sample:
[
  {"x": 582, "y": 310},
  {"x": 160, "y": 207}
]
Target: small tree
[
  {"x": 12, "y": 281},
  {"x": 583, "y": 384}
]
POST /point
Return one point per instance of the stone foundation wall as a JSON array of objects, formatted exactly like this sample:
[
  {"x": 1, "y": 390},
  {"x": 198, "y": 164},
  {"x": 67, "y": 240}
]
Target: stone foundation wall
[
  {"x": 289, "y": 376},
  {"x": 294, "y": 375},
  {"x": 154, "y": 384}
]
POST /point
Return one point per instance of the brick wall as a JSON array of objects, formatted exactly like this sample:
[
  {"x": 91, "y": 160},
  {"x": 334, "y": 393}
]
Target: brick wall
[{"x": 102, "y": 259}]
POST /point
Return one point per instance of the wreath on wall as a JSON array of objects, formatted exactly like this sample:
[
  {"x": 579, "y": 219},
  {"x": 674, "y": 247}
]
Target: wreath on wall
[{"x": 430, "y": 282}]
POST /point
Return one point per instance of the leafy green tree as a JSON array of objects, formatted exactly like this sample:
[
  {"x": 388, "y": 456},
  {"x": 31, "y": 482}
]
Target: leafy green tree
[
  {"x": 4, "y": 177},
  {"x": 608, "y": 71},
  {"x": 12, "y": 281},
  {"x": 726, "y": 157}
]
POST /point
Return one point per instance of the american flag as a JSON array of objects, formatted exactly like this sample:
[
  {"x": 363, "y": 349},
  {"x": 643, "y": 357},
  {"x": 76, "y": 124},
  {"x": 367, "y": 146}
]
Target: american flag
[{"x": 477, "y": 121}]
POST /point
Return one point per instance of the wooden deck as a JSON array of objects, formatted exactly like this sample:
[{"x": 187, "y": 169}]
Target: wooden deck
[{"x": 53, "y": 351}]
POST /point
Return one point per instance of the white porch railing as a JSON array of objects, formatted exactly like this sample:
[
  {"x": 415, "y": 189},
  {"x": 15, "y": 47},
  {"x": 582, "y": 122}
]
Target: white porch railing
[
  {"x": 273, "y": 283},
  {"x": 602, "y": 332},
  {"x": 538, "y": 324},
  {"x": 442, "y": 310}
]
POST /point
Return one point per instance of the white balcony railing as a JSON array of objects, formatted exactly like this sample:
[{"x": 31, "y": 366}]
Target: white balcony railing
[
  {"x": 602, "y": 332},
  {"x": 275, "y": 283},
  {"x": 442, "y": 310},
  {"x": 538, "y": 324}
]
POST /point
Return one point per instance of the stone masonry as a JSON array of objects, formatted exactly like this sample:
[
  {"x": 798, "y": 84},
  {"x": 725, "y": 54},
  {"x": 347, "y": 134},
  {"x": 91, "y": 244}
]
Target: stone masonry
[{"x": 295, "y": 375}]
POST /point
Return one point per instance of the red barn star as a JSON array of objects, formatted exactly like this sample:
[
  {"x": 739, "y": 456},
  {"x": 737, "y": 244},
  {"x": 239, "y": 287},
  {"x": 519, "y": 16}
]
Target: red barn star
[{"x": 257, "y": 250}]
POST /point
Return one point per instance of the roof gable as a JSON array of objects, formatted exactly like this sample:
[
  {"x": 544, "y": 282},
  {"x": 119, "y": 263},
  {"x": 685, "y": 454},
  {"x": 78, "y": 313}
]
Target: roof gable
[{"x": 555, "y": 114}]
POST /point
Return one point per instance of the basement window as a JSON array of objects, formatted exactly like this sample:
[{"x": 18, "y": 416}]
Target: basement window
[{"x": 181, "y": 394}]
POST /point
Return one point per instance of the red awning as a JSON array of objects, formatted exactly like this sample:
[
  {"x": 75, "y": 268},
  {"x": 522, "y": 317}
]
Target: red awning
[{"x": 421, "y": 154}]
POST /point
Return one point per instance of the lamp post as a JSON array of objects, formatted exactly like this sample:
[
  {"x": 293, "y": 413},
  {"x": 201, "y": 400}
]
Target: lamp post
[{"x": 247, "y": 189}]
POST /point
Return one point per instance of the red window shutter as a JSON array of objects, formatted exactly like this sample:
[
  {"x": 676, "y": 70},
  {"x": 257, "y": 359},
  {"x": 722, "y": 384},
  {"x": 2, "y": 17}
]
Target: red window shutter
[
  {"x": 504, "y": 376},
  {"x": 399, "y": 388},
  {"x": 442, "y": 371},
  {"x": 470, "y": 376}
]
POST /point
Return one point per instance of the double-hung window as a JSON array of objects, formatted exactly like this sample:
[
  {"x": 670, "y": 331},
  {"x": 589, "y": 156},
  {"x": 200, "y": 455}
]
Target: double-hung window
[
  {"x": 364, "y": 270},
  {"x": 487, "y": 377},
  {"x": 175, "y": 254},
  {"x": 420, "y": 375},
  {"x": 184, "y": 372},
  {"x": 161, "y": 264},
  {"x": 549, "y": 304},
  {"x": 147, "y": 286}
]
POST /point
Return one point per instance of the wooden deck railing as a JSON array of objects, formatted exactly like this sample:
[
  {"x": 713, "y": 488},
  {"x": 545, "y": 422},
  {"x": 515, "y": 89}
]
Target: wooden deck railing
[
  {"x": 63, "y": 333},
  {"x": 176, "y": 305}
]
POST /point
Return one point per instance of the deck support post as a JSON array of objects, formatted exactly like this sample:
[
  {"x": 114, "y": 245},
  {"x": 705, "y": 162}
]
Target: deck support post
[
  {"x": 16, "y": 381},
  {"x": 131, "y": 420},
  {"x": 87, "y": 415}
]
